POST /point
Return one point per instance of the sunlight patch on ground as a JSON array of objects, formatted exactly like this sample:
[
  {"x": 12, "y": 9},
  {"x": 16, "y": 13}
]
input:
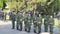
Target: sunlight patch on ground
[{"x": 4, "y": 22}]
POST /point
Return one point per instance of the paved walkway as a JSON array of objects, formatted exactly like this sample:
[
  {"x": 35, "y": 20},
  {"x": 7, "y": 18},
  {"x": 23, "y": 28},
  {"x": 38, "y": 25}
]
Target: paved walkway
[{"x": 5, "y": 28}]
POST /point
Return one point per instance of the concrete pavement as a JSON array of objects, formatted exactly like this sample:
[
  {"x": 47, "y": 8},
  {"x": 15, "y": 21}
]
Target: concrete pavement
[{"x": 5, "y": 28}]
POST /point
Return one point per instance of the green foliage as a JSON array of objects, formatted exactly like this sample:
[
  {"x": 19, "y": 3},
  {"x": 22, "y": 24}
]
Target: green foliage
[
  {"x": 45, "y": 6},
  {"x": 1, "y": 3},
  {"x": 51, "y": 7}
]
